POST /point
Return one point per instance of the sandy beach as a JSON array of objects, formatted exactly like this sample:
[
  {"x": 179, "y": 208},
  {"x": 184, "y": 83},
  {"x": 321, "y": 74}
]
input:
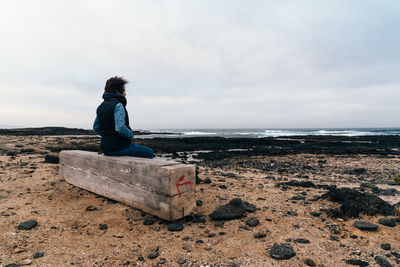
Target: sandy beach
[{"x": 77, "y": 227}]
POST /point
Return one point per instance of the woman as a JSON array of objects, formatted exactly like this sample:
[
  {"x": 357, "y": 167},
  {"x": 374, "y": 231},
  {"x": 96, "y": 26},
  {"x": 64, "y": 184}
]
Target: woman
[{"x": 112, "y": 123}]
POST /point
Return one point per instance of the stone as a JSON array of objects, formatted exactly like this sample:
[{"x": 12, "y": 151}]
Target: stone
[
  {"x": 28, "y": 225},
  {"x": 387, "y": 221},
  {"x": 153, "y": 254},
  {"x": 181, "y": 261},
  {"x": 302, "y": 241},
  {"x": 199, "y": 203},
  {"x": 51, "y": 159},
  {"x": 292, "y": 213},
  {"x": 25, "y": 262},
  {"x": 382, "y": 262},
  {"x": 222, "y": 186},
  {"x": 260, "y": 235},
  {"x": 175, "y": 227},
  {"x": 357, "y": 262},
  {"x": 235, "y": 209},
  {"x": 11, "y": 265},
  {"x": 353, "y": 203},
  {"x": 315, "y": 214},
  {"x": 309, "y": 262},
  {"x": 148, "y": 222},
  {"x": 282, "y": 252},
  {"x": 103, "y": 226},
  {"x": 386, "y": 246},
  {"x": 366, "y": 226},
  {"x": 38, "y": 255},
  {"x": 207, "y": 181},
  {"x": 91, "y": 208},
  {"x": 298, "y": 198},
  {"x": 162, "y": 188},
  {"x": 252, "y": 222}
]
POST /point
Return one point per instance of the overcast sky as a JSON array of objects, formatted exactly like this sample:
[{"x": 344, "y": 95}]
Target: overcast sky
[{"x": 202, "y": 64}]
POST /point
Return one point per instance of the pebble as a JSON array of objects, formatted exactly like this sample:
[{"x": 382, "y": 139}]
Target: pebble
[
  {"x": 28, "y": 225},
  {"x": 386, "y": 246},
  {"x": 357, "y": 262},
  {"x": 302, "y": 241},
  {"x": 199, "y": 203},
  {"x": 148, "y": 222},
  {"x": 309, "y": 262},
  {"x": 315, "y": 214},
  {"x": 175, "y": 227},
  {"x": 387, "y": 221},
  {"x": 282, "y": 252},
  {"x": 292, "y": 213},
  {"x": 222, "y": 186},
  {"x": 103, "y": 226},
  {"x": 367, "y": 226},
  {"x": 25, "y": 262},
  {"x": 211, "y": 235},
  {"x": 91, "y": 208},
  {"x": 252, "y": 222},
  {"x": 11, "y": 265},
  {"x": 118, "y": 236},
  {"x": 181, "y": 261},
  {"x": 207, "y": 181},
  {"x": 382, "y": 262},
  {"x": 260, "y": 235},
  {"x": 38, "y": 255},
  {"x": 153, "y": 254}
]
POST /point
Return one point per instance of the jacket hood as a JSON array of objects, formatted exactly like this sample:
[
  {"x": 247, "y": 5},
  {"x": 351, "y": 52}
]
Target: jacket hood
[{"x": 115, "y": 96}]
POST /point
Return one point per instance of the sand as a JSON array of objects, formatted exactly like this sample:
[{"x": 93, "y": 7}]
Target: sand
[{"x": 69, "y": 234}]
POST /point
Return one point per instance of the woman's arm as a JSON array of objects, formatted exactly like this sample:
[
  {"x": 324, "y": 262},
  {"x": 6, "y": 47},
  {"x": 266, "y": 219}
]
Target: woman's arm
[
  {"x": 97, "y": 127},
  {"x": 119, "y": 118}
]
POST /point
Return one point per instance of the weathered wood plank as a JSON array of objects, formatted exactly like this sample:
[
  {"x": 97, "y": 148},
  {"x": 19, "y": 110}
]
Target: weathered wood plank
[{"x": 108, "y": 176}]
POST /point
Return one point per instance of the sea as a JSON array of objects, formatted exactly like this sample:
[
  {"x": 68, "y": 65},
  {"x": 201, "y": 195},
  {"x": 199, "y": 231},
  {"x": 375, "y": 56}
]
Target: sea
[{"x": 263, "y": 132}]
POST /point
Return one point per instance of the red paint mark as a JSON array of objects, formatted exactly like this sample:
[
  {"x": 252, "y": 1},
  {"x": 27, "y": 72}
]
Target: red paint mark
[{"x": 178, "y": 184}]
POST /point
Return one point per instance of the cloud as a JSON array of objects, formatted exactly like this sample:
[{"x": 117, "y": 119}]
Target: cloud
[{"x": 203, "y": 63}]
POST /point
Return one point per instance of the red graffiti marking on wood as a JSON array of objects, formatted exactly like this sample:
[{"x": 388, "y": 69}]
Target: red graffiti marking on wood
[{"x": 178, "y": 184}]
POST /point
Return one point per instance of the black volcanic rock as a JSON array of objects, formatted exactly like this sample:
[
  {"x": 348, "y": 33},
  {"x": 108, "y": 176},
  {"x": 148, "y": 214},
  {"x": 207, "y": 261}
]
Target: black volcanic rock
[
  {"x": 357, "y": 262},
  {"x": 282, "y": 252},
  {"x": 387, "y": 221},
  {"x": 51, "y": 159},
  {"x": 175, "y": 227},
  {"x": 354, "y": 202},
  {"x": 28, "y": 225},
  {"x": 366, "y": 226},
  {"x": 235, "y": 209},
  {"x": 252, "y": 222},
  {"x": 382, "y": 262}
]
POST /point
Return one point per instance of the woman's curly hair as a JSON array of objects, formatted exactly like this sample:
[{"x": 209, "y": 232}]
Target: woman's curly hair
[{"x": 115, "y": 85}]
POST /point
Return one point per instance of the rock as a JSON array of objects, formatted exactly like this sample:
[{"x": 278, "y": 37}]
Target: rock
[
  {"x": 387, "y": 221},
  {"x": 207, "y": 181},
  {"x": 103, "y": 226},
  {"x": 282, "y": 252},
  {"x": 181, "y": 261},
  {"x": 302, "y": 241},
  {"x": 38, "y": 255},
  {"x": 91, "y": 208},
  {"x": 52, "y": 159},
  {"x": 222, "y": 186},
  {"x": 382, "y": 262},
  {"x": 25, "y": 262},
  {"x": 175, "y": 227},
  {"x": 305, "y": 184},
  {"x": 366, "y": 226},
  {"x": 118, "y": 236},
  {"x": 386, "y": 246},
  {"x": 292, "y": 213},
  {"x": 28, "y": 225},
  {"x": 315, "y": 214},
  {"x": 154, "y": 254},
  {"x": 148, "y": 222},
  {"x": 309, "y": 262},
  {"x": 354, "y": 202},
  {"x": 260, "y": 235},
  {"x": 235, "y": 209},
  {"x": 298, "y": 198},
  {"x": 11, "y": 265},
  {"x": 162, "y": 261},
  {"x": 196, "y": 218},
  {"x": 357, "y": 262},
  {"x": 199, "y": 203},
  {"x": 211, "y": 235},
  {"x": 252, "y": 222}
]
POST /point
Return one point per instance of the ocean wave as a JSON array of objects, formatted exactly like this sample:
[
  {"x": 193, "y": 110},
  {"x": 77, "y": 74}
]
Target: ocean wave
[{"x": 199, "y": 133}]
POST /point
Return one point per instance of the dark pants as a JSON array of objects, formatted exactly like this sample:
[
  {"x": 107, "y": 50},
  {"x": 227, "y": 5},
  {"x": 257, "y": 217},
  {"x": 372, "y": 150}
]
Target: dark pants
[{"x": 133, "y": 151}]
